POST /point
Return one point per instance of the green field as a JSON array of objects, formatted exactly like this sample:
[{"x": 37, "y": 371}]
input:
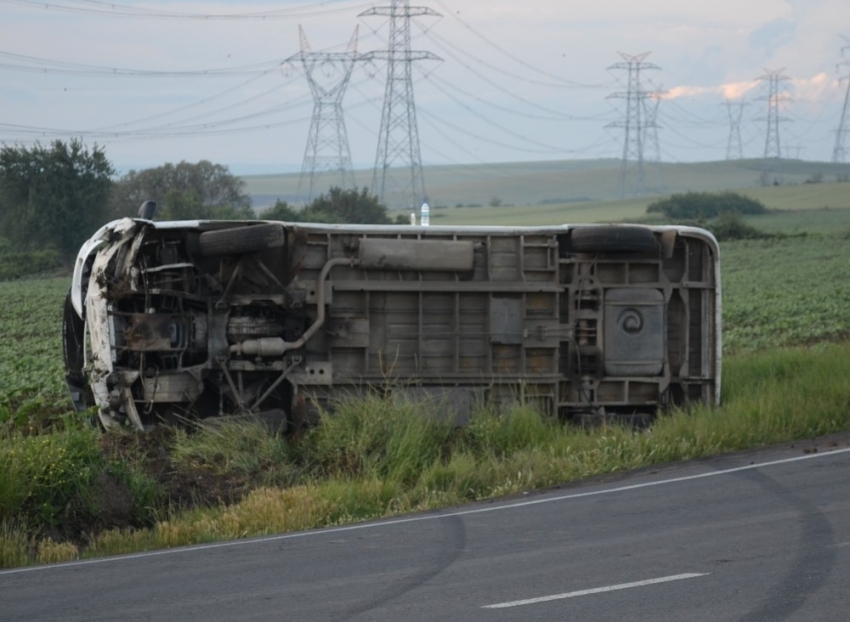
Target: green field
[
  {"x": 777, "y": 292},
  {"x": 377, "y": 459},
  {"x": 786, "y": 291},
  {"x": 31, "y": 364},
  {"x": 787, "y": 200}
]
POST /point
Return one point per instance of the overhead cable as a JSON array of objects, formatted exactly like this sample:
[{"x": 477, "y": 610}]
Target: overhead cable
[
  {"x": 513, "y": 57},
  {"x": 118, "y": 10}
]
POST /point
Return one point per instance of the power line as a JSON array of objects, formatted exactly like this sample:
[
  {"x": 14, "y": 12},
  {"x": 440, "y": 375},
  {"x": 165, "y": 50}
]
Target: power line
[
  {"x": 695, "y": 119},
  {"x": 177, "y": 130},
  {"x": 454, "y": 87},
  {"x": 432, "y": 121},
  {"x": 114, "y": 9},
  {"x": 501, "y": 69},
  {"x": 515, "y": 58},
  {"x": 498, "y": 126},
  {"x": 509, "y": 92},
  {"x": 45, "y": 132},
  {"x": 497, "y": 143},
  {"x": 195, "y": 104},
  {"x": 50, "y": 66}
]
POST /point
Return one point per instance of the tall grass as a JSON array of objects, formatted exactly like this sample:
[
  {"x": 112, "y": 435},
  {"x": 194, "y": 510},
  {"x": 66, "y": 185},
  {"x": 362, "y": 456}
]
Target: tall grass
[
  {"x": 242, "y": 447},
  {"x": 380, "y": 457},
  {"x": 377, "y": 437},
  {"x": 48, "y": 475}
]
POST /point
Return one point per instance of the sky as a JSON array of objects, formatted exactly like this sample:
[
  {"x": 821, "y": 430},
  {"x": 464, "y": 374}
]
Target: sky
[{"x": 166, "y": 81}]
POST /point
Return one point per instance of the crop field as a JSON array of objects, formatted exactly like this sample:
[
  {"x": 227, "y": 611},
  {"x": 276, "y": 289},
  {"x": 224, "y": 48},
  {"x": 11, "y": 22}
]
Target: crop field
[
  {"x": 31, "y": 365},
  {"x": 785, "y": 291},
  {"x": 776, "y": 292}
]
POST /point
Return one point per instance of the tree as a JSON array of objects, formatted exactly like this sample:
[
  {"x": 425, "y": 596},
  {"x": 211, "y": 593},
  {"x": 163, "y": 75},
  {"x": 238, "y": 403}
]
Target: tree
[
  {"x": 53, "y": 196},
  {"x": 281, "y": 210},
  {"x": 346, "y": 206},
  {"x": 188, "y": 206},
  {"x": 205, "y": 190},
  {"x": 338, "y": 206}
]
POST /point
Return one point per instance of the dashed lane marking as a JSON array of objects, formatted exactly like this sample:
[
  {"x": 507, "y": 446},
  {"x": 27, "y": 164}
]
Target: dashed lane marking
[{"x": 596, "y": 590}]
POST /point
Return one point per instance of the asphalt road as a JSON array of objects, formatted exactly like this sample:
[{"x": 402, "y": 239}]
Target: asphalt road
[{"x": 758, "y": 536}]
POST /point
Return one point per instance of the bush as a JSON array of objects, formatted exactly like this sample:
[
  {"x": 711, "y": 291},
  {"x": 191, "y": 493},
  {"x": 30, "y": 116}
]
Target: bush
[
  {"x": 730, "y": 226},
  {"x": 705, "y": 205},
  {"x": 17, "y": 265}
]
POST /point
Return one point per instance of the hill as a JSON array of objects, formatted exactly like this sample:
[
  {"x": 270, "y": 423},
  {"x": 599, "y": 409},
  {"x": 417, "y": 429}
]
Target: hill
[
  {"x": 569, "y": 182},
  {"x": 804, "y": 207}
]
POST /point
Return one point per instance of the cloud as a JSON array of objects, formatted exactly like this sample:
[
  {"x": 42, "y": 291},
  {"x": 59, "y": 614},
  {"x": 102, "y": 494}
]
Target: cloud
[
  {"x": 815, "y": 88},
  {"x": 731, "y": 90},
  {"x": 737, "y": 90},
  {"x": 772, "y": 36}
]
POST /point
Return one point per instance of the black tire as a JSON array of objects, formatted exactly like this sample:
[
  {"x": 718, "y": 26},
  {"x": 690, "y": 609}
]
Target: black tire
[
  {"x": 73, "y": 331},
  {"x": 72, "y": 337},
  {"x": 611, "y": 239},
  {"x": 239, "y": 240}
]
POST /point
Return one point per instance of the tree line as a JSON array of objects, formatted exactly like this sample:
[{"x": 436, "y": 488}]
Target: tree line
[{"x": 54, "y": 197}]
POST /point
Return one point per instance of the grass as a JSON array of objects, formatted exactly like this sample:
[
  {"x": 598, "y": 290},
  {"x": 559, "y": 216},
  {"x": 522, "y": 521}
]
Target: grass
[
  {"x": 823, "y": 221},
  {"x": 787, "y": 309},
  {"x": 541, "y": 215},
  {"x": 350, "y": 475},
  {"x": 803, "y": 197},
  {"x": 804, "y": 207},
  {"x": 784, "y": 292},
  {"x": 527, "y": 184},
  {"x": 377, "y": 457},
  {"x": 32, "y": 372}
]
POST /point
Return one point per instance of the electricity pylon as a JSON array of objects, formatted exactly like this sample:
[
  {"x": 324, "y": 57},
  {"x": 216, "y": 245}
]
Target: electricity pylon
[
  {"x": 773, "y": 143},
  {"x": 398, "y": 139},
  {"x": 327, "y": 148},
  {"x": 734, "y": 146},
  {"x": 651, "y": 145},
  {"x": 839, "y": 154},
  {"x": 635, "y": 122}
]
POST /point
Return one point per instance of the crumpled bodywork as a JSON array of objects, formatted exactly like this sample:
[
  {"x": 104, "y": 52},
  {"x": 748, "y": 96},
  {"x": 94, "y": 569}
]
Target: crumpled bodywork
[{"x": 185, "y": 320}]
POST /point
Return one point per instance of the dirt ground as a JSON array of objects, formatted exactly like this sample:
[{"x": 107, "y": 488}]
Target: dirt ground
[{"x": 114, "y": 505}]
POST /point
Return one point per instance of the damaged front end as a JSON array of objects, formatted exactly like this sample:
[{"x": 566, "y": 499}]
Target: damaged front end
[{"x": 179, "y": 324}]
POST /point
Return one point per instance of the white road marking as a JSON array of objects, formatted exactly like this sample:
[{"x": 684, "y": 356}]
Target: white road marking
[
  {"x": 422, "y": 517},
  {"x": 596, "y": 590}
]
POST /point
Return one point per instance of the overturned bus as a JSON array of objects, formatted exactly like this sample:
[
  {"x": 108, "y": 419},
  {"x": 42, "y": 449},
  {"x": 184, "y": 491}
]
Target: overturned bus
[{"x": 198, "y": 319}]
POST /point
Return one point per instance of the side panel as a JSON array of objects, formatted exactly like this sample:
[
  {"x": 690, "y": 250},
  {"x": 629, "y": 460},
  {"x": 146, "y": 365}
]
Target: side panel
[{"x": 574, "y": 334}]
